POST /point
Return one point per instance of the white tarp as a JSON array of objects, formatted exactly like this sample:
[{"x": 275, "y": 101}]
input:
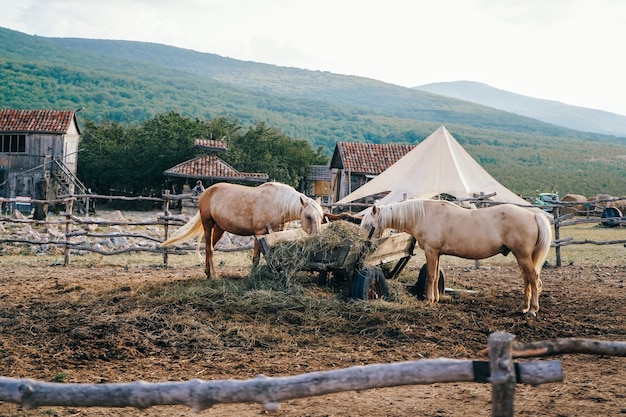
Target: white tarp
[{"x": 437, "y": 165}]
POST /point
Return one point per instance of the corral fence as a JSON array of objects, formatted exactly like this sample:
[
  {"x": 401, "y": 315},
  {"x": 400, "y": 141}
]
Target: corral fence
[
  {"x": 575, "y": 216},
  {"x": 501, "y": 371},
  {"x": 63, "y": 232},
  {"x": 78, "y": 233},
  {"x": 589, "y": 212}
]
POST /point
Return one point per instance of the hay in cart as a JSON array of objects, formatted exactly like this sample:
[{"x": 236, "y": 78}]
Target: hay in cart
[{"x": 287, "y": 257}]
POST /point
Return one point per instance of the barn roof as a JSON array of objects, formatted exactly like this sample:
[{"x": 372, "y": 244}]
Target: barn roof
[
  {"x": 318, "y": 173},
  {"x": 36, "y": 121},
  {"x": 367, "y": 158},
  {"x": 212, "y": 167},
  {"x": 211, "y": 145}
]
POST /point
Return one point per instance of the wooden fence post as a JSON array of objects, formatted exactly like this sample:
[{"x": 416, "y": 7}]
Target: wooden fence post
[
  {"x": 502, "y": 374},
  {"x": 66, "y": 254},
  {"x": 166, "y": 213},
  {"x": 557, "y": 236}
]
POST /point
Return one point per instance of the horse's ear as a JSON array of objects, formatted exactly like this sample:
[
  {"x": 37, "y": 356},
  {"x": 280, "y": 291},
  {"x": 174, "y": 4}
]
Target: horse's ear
[
  {"x": 375, "y": 209},
  {"x": 303, "y": 200}
]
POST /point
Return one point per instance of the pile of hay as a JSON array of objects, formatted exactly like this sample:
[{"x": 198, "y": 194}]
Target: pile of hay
[{"x": 288, "y": 258}]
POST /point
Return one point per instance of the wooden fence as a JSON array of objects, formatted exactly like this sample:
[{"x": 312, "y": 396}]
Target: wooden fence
[
  {"x": 570, "y": 219},
  {"x": 74, "y": 226},
  {"x": 501, "y": 371}
]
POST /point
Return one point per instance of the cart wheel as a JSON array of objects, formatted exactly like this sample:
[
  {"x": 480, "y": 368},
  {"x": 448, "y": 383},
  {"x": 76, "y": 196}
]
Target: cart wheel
[
  {"x": 370, "y": 284},
  {"x": 422, "y": 281}
]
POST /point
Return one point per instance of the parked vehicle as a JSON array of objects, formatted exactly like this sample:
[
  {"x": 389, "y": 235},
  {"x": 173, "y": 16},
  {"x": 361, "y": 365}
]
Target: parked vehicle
[{"x": 547, "y": 200}]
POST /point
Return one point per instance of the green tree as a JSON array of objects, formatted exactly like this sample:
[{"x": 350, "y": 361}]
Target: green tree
[
  {"x": 133, "y": 158},
  {"x": 103, "y": 158},
  {"x": 163, "y": 142},
  {"x": 268, "y": 150}
]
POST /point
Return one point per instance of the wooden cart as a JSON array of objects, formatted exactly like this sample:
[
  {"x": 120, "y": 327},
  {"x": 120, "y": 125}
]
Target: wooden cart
[{"x": 353, "y": 266}]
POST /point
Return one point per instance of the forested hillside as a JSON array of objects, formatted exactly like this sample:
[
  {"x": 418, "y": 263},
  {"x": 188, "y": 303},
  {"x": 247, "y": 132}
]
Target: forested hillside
[{"x": 130, "y": 82}]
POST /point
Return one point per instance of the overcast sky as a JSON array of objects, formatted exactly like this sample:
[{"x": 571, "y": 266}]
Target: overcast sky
[{"x": 566, "y": 50}]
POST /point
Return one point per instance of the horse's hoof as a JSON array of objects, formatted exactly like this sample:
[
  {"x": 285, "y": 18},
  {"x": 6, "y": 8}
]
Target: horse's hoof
[{"x": 531, "y": 314}]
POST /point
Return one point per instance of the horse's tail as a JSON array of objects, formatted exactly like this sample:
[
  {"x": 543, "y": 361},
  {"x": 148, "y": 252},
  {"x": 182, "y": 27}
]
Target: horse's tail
[
  {"x": 543, "y": 241},
  {"x": 192, "y": 228}
]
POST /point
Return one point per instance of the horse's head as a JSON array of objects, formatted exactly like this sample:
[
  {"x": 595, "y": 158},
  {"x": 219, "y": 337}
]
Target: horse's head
[
  {"x": 372, "y": 219},
  {"x": 311, "y": 215}
]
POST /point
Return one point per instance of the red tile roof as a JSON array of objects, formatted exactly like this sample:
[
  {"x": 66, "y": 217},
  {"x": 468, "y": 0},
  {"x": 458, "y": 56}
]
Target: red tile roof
[
  {"x": 367, "y": 158},
  {"x": 212, "y": 167},
  {"x": 211, "y": 145},
  {"x": 36, "y": 121}
]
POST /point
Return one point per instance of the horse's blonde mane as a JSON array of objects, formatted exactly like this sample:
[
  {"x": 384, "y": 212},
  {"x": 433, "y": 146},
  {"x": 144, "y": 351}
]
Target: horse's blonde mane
[
  {"x": 402, "y": 214},
  {"x": 288, "y": 199}
]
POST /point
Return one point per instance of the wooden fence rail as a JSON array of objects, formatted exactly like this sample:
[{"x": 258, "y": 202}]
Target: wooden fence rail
[
  {"x": 500, "y": 371},
  {"x": 64, "y": 239},
  {"x": 270, "y": 392}
]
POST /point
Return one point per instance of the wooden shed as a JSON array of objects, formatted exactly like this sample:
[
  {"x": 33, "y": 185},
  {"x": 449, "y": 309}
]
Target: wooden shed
[
  {"x": 316, "y": 183},
  {"x": 209, "y": 169},
  {"x": 38, "y": 154},
  {"x": 354, "y": 164},
  {"x": 212, "y": 169}
]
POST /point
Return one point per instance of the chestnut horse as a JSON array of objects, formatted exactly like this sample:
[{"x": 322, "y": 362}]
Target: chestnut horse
[
  {"x": 246, "y": 211},
  {"x": 443, "y": 228}
]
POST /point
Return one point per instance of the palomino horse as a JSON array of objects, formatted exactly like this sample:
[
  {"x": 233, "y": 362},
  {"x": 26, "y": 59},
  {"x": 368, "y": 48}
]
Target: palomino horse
[
  {"x": 443, "y": 228},
  {"x": 246, "y": 211}
]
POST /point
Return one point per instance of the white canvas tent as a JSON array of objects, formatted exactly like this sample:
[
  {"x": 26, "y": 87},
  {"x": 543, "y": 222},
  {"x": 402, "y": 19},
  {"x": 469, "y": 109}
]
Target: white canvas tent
[{"x": 437, "y": 165}]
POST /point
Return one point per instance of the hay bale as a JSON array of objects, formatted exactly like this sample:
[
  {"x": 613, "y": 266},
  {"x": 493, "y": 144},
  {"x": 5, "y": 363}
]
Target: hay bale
[
  {"x": 576, "y": 209},
  {"x": 601, "y": 205}
]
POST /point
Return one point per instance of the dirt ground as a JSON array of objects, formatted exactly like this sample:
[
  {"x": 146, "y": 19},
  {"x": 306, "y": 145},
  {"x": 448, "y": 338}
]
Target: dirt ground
[{"x": 110, "y": 321}]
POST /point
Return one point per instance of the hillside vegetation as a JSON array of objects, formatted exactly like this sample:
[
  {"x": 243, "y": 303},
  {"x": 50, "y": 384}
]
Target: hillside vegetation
[{"x": 129, "y": 82}]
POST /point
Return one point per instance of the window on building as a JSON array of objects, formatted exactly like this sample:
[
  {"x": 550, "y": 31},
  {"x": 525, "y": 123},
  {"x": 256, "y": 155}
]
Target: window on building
[{"x": 13, "y": 143}]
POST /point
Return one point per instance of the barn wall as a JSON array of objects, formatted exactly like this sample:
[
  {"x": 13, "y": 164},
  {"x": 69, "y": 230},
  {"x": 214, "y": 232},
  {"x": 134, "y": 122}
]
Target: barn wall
[
  {"x": 23, "y": 185},
  {"x": 71, "y": 140},
  {"x": 22, "y": 171}
]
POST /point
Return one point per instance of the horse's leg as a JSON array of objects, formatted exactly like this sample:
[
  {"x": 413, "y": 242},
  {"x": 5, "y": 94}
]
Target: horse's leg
[
  {"x": 212, "y": 234},
  {"x": 256, "y": 254},
  {"x": 208, "y": 249},
  {"x": 218, "y": 232},
  {"x": 213, "y": 238},
  {"x": 432, "y": 286},
  {"x": 532, "y": 286}
]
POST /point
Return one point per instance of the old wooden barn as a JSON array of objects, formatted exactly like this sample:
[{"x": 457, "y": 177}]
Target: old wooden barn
[{"x": 38, "y": 155}]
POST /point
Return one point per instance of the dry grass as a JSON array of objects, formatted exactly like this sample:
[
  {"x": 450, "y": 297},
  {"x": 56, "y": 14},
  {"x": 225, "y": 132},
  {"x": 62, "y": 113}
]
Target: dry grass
[
  {"x": 297, "y": 300},
  {"x": 288, "y": 258}
]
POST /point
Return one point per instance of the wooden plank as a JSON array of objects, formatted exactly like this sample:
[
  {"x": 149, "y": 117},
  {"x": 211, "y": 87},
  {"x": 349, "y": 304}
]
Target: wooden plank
[
  {"x": 286, "y": 235},
  {"x": 267, "y": 241},
  {"x": 390, "y": 249},
  {"x": 336, "y": 256}
]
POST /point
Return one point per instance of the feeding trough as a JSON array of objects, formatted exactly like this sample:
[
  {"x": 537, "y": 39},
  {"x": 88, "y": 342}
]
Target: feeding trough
[{"x": 357, "y": 263}]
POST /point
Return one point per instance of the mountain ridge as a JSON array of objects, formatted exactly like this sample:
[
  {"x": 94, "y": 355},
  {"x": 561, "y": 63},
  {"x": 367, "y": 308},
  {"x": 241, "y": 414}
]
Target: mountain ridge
[{"x": 549, "y": 111}]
